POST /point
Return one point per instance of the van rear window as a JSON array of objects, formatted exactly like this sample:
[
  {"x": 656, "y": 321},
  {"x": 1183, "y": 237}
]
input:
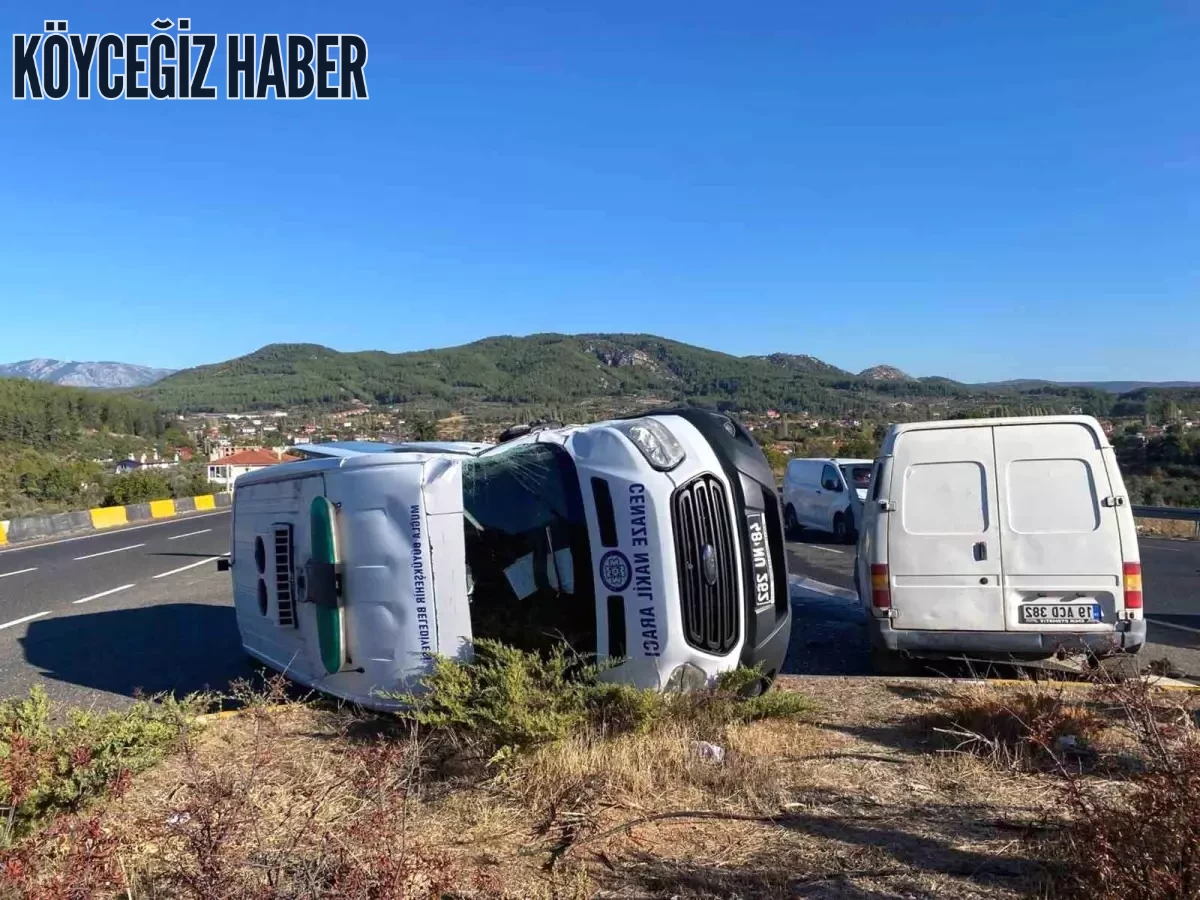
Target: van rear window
[
  {"x": 1051, "y": 496},
  {"x": 945, "y": 498},
  {"x": 858, "y": 477}
]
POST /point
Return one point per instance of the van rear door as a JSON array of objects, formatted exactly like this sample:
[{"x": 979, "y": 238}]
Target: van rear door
[
  {"x": 943, "y": 537},
  {"x": 1058, "y": 527}
]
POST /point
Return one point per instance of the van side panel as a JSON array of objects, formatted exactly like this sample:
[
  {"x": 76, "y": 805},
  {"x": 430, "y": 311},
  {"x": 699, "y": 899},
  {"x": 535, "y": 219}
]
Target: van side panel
[
  {"x": 389, "y": 584},
  {"x": 943, "y": 538},
  {"x": 1060, "y": 540},
  {"x": 442, "y": 495}
]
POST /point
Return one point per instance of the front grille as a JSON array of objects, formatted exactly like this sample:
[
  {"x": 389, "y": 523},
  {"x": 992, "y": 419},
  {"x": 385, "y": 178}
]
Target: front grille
[
  {"x": 284, "y": 603},
  {"x": 700, "y": 518}
]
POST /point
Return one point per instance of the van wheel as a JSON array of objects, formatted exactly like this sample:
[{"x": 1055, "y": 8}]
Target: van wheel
[
  {"x": 889, "y": 662},
  {"x": 843, "y": 532},
  {"x": 790, "y": 524}
]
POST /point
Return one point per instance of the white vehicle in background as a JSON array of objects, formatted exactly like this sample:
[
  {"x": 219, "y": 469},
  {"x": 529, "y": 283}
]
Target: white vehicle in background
[
  {"x": 826, "y": 495},
  {"x": 1010, "y": 538},
  {"x": 655, "y": 540}
]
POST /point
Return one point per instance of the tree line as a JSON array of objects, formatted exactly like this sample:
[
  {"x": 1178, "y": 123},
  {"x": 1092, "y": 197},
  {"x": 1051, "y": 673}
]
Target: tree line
[
  {"x": 53, "y": 440},
  {"x": 36, "y": 414}
]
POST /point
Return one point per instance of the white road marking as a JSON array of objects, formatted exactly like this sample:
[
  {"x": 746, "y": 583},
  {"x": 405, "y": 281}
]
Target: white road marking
[
  {"x": 189, "y": 534},
  {"x": 189, "y": 566},
  {"x": 1156, "y": 547},
  {"x": 18, "y": 572},
  {"x": 24, "y": 619},
  {"x": 826, "y": 549},
  {"x": 17, "y": 548},
  {"x": 106, "y": 552},
  {"x": 115, "y": 590},
  {"x": 1173, "y": 625},
  {"x": 804, "y": 583}
]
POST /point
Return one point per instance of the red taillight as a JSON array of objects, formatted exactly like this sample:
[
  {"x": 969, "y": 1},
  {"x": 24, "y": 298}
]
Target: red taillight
[
  {"x": 1133, "y": 585},
  {"x": 881, "y": 589}
]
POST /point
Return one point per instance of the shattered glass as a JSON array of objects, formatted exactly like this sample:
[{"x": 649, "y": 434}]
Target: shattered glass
[{"x": 528, "y": 557}]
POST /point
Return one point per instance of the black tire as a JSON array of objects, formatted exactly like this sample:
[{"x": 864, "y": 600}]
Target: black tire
[
  {"x": 791, "y": 525},
  {"x": 841, "y": 529},
  {"x": 889, "y": 662}
]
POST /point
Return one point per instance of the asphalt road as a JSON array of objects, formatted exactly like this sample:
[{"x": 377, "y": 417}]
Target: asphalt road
[
  {"x": 830, "y": 626},
  {"x": 100, "y": 618}
]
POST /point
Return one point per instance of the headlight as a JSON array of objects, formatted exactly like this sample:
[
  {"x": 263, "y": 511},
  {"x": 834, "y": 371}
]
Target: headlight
[{"x": 655, "y": 441}]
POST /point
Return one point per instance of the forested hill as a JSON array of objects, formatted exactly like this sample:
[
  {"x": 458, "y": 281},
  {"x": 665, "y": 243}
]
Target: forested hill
[
  {"x": 38, "y": 414},
  {"x": 554, "y": 369}
]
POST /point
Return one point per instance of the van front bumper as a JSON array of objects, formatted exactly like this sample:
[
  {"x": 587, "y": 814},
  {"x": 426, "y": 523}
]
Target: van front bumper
[{"x": 1128, "y": 638}]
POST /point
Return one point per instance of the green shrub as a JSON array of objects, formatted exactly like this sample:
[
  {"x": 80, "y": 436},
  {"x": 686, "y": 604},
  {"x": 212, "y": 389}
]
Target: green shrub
[
  {"x": 139, "y": 486},
  {"x": 46, "y": 768},
  {"x": 511, "y": 700}
]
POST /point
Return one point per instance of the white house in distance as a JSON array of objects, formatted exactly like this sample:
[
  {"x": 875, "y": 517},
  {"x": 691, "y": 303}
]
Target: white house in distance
[
  {"x": 125, "y": 466},
  {"x": 226, "y": 470}
]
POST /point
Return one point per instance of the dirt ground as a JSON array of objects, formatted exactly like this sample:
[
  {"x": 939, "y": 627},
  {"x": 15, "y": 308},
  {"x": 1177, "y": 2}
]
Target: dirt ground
[
  {"x": 851, "y": 801},
  {"x": 1167, "y": 528}
]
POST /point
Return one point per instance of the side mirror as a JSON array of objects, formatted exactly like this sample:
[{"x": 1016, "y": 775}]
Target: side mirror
[{"x": 222, "y": 565}]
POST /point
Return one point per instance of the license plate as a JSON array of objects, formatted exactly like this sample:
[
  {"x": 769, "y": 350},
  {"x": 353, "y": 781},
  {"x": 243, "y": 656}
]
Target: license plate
[
  {"x": 760, "y": 559},
  {"x": 1060, "y": 613}
]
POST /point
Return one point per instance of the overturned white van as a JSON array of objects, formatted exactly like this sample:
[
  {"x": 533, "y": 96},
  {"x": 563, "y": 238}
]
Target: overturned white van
[
  {"x": 654, "y": 540},
  {"x": 999, "y": 537}
]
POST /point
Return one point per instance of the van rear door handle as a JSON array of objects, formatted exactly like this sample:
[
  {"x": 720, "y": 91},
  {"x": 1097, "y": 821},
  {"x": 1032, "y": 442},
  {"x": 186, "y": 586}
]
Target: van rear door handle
[{"x": 980, "y": 551}]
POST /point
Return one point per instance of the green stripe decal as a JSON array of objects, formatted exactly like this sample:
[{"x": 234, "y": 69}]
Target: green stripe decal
[{"x": 330, "y": 636}]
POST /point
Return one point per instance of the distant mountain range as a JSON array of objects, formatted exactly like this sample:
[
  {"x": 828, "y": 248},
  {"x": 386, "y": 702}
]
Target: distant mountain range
[
  {"x": 1112, "y": 387},
  {"x": 546, "y": 374},
  {"x": 84, "y": 374},
  {"x": 546, "y": 371}
]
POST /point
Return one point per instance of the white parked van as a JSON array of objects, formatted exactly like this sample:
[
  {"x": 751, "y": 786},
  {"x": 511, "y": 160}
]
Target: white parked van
[
  {"x": 657, "y": 540},
  {"x": 999, "y": 536},
  {"x": 826, "y": 495}
]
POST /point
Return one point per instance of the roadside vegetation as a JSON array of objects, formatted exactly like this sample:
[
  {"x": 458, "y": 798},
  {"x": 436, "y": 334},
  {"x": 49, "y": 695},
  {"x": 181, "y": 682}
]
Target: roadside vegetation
[
  {"x": 57, "y": 446},
  {"x": 1163, "y": 470},
  {"x": 522, "y": 776}
]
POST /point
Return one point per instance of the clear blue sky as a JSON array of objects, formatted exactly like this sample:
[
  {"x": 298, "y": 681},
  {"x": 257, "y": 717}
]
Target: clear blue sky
[{"x": 977, "y": 189}]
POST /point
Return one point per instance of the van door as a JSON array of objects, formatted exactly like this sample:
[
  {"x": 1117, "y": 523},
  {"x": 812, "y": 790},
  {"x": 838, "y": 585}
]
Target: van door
[
  {"x": 1061, "y": 544},
  {"x": 943, "y": 537},
  {"x": 828, "y": 499},
  {"x": 808, "y": 486}
]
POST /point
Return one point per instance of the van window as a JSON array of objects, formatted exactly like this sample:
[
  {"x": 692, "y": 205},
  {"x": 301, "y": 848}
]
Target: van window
[
  {"x": 878, "y": 489},
  {"x": 829, "y": 478},
  {"x": 945, "y": 498},
  {"x": 1051, "y": 496},
  {"x": 528, "y": 556},
  {"x": 858, "y": 477}
]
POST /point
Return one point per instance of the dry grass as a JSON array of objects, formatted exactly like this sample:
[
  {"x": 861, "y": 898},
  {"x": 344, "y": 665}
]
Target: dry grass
[
  {"x": 1171, "y": 528},
  {"x": 1023, "y": 728},
  {"x": 299, "y": 801},
  {"x": 861, "y": 799}
]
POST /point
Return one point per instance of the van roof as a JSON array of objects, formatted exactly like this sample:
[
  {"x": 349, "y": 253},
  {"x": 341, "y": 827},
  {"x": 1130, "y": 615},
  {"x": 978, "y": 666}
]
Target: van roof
[
  {"x": 896, "y": 430},
  {"x": 835, "y": 460}
]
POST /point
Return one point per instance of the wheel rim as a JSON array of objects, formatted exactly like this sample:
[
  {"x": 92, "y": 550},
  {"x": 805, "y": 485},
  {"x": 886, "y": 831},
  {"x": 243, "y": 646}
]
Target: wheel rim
[{"x": 839, "y": 528}]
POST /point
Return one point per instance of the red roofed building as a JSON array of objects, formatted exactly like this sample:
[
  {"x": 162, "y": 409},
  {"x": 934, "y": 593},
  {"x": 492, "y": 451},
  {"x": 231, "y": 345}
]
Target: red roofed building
[{"x": 226, "y": 470}]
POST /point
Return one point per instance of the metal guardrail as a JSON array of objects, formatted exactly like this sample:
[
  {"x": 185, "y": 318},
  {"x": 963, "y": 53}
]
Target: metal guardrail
[{"x": 1177, "y": 513}]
